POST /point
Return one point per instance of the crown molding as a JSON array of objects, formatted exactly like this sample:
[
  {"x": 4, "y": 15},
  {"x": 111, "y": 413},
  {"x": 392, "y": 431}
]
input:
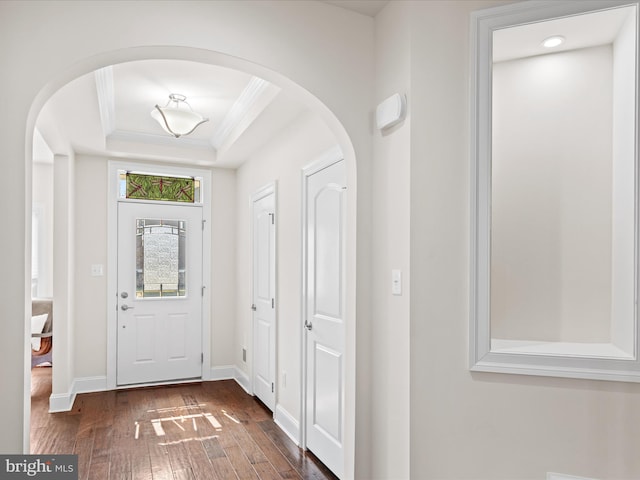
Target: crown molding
[
  {"x": 106, "y": 99},
  {"x": 240, "y": 110}
]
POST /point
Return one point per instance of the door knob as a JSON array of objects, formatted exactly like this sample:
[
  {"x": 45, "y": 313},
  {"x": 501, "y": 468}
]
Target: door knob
[{"x": 125, "y": 308}]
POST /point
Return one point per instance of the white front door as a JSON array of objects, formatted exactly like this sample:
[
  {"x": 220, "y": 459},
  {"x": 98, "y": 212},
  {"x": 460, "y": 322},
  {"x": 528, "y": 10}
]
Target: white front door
[
  {"x": 325, "y": 313},
  {"x": 264, "y": 312},
  {"x": 159, "y": 335}
]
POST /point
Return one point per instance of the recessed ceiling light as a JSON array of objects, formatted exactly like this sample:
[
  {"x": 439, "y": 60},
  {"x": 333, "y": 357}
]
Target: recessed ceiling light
[{"x": 554, "y": 41}]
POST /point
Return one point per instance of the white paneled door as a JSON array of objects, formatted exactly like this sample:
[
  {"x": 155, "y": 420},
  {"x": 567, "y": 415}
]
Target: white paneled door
[
  {"x": 264, "y": 294},
  {"x": 159, "y": 336},
  {"x": 324, "y": 321}
]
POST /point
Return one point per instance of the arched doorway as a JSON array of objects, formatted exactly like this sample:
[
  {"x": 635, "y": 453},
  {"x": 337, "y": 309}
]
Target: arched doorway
[{"x": 66, "y": 384}]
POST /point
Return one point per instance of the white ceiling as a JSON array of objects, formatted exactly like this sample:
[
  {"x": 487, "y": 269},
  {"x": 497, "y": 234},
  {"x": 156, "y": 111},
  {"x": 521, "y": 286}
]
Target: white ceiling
[
  {"x": 580, "y": 31},
  {"x": 365, "y": 7},
  {"x": 108, "y": 113}
]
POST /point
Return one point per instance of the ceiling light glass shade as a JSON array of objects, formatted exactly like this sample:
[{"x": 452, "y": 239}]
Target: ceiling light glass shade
[{"x": 177, "y": 117}]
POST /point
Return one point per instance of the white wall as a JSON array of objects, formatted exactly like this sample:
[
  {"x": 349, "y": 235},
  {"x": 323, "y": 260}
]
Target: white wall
[
  {"x": 624, "y": 135},
  {"x": 280, "y": 161},
  {"x": 551, "y": 197},
  {"x": 89, "y": 292},
  {"x": 43, "y": 205},
  {"x": 482, "y": 426},
  {"x": 64, "y": 215},
  {"x": 389, "y": 361},
  {"x": 223, "y": 266}
]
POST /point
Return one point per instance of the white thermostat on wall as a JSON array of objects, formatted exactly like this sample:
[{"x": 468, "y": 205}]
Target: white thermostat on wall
[{"x": 391, "y": 111}]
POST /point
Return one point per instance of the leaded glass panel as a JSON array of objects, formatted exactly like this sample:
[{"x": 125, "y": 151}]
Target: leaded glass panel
[
  {"x": 157, "y": 187},
  {"x": 160, "y": 258}
]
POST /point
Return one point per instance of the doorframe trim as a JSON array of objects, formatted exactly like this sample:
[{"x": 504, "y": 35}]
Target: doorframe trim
[
  {"x": 264, "y": 191},
  {"x": 328, "y": 158},
  {"x": 112, "y": 258}
]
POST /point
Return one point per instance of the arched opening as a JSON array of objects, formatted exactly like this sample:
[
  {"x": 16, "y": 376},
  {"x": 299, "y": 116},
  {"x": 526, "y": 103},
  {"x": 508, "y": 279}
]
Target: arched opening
[{"x": 66, "y": 382}]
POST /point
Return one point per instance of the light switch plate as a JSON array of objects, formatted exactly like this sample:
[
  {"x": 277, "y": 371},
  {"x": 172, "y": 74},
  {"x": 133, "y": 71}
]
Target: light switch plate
[
  {"x": 396, "y": 282},
  {"x": 97, "y": 270}
]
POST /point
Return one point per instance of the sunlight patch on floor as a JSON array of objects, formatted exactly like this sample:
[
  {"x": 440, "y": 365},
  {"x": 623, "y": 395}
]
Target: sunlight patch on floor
[
  {"x": 185, "y": 440},
  {"x": 181, "y": 419}
]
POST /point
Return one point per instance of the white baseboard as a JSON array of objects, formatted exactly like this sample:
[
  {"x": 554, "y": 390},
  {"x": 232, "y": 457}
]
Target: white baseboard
[
  {"x": 287, "y": 423},
  {"x": 89, "y": 384},
  {"x": 243, "y": 380},
  {"x": 231, "y": 372},
  {"x": 63, "y": 402},
  {"x": 227, "y": 372}
]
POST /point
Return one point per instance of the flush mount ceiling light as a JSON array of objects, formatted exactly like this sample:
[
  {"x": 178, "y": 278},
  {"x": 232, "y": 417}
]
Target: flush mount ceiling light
[
  {"x": 177, "y": 117},
  {"x": 554, "y": 41}
]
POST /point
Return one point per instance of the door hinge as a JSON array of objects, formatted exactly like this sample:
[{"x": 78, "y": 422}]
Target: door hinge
[
  {"x": 253, "y": 307},
  {"x": 202, "y": 358},
  {"x": 273, "y": 218},
  {"x": 203, "y": 287},
  {"x": 273, "y": 303},
  {"x": 203, "y": 221},
  {"x": 273, "y": 387}
]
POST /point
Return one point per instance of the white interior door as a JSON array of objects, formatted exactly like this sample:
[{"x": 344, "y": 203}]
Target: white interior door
[
  {"x": 325, "y": 314},
  {"x": 264, "y": 312},
  {"x": 159, "y": 327}
]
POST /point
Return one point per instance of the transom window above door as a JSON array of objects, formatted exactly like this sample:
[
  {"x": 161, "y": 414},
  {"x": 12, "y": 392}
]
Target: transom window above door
[{"x": 143, "y": 186}]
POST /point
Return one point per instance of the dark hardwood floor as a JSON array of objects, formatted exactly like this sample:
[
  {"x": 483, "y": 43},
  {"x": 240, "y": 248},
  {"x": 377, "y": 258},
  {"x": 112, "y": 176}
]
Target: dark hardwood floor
[{"x": 209, "y": 430}]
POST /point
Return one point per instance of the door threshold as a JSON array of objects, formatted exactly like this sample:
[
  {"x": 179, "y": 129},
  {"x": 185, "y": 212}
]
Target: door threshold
[{"x": 160, "y": 384}]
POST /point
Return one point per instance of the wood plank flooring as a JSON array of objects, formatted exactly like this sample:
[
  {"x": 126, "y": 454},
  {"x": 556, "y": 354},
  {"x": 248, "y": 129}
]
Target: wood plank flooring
[{"x": 209, "y": 430}]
